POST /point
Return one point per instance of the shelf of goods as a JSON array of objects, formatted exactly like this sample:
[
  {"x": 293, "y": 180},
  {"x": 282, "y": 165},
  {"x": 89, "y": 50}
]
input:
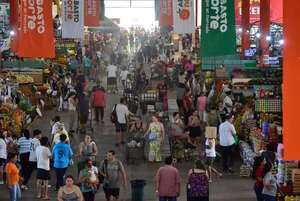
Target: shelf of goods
[
  {"x": 257, "y": 140},
  {"x": 296, "y": 180},
  {"x": 268, "y": 105}
]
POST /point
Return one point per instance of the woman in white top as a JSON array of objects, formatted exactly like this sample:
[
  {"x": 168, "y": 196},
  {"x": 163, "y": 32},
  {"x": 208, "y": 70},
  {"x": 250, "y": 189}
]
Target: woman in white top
[
  {"x": 3, "y": 154},
  {"x": 72, "y": 110},
  {"x": 210, "y": 151}
]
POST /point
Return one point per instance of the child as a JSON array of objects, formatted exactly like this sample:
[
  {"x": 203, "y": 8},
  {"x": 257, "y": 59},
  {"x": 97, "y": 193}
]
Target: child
[
  {"x": 210, "y": 152},
  {"x": 93, "y": 180}
]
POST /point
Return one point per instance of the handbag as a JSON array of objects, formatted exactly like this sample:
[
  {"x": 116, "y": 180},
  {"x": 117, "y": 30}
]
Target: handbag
[
  {"x": 113, "y": 115},
  {"x": 101, "y": 177},
  {"x": 152, "y": 136}
]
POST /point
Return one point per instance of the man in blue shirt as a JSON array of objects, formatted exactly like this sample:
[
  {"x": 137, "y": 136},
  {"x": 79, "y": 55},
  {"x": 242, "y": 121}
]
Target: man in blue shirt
[{"x": 62, "y": 155}]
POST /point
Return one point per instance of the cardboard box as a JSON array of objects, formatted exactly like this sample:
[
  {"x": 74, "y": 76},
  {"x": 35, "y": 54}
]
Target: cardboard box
[{"x": 210, "y": 132}]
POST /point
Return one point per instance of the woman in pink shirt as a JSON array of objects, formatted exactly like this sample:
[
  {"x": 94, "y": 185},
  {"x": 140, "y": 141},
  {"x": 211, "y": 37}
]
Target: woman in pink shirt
[
  {"x": 189, "y": 67},
  {"x": 201, "y": 106}
]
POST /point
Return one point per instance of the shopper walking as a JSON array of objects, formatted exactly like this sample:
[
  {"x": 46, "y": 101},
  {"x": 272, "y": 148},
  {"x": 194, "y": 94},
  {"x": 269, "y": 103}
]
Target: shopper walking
[
  {"x": 188, "y": 105},
  {"x": 201, "y": 106},
  {"x": 121, "y": 124},
  {"x": 198, "y": 185},
  {"x": 35, "y": 142},
  {"x": 270, "y": 186},
  {"x": 227, "y": 142},
  {"x": 156, "y": 136},
  {"x": 43, "y": 155},
  {"x": 87, "y": 150},
  {"x": 88, "y": 179},
  {"x": 84, "y": 106},
  {"x": 112, "y": 168},
  {"x": 13, "y": 177},
  {"x": 72, "y": 105},
  {"x": 98, "y": 102},
  {"x": 69, "y": 192},
  {"x": 210, "y": 152},
  {"x": 24, "y": 151},
  {"x": 62, "y": 155},
  {"x": 167, "y": 181},
  {"x": 3, "y": 155},
  {"x": 257, "y": 173},
  {"x": 112, "y": 78}
]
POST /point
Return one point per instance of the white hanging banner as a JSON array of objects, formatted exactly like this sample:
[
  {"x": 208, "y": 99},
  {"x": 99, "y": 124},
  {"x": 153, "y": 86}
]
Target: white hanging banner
[
  {"x": 183, "y": 16},
  {"x": 72, "y": 19}
]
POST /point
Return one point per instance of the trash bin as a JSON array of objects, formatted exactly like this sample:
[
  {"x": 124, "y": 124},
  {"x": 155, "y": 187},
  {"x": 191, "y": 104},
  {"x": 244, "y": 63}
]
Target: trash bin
[{"x": 137, "y": 190}]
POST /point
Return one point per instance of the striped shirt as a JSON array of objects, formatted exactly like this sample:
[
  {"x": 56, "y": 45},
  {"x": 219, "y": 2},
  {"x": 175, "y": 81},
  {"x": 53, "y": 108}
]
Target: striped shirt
[{"x": 24, "y": 144}]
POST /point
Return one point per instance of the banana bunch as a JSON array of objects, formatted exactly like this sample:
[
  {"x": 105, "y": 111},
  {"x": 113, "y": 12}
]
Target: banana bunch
[{"x": 21, "y": 79}]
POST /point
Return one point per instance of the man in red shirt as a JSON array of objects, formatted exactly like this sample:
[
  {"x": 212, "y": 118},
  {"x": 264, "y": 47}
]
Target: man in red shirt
[
  {"x": 167, "y": 182},
  {"x": 98, "y": 102}
]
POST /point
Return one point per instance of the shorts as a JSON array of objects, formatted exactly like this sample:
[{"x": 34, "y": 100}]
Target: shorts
[
  {"x": 179, "y": 103},
  {"x": 43, "y": 174},
  {"x": 111, "y": 81},
  {"x": 121, "y": 127},
  {"x": 111, "y": 192},
  {"x": 209, "y": 161},
  {"x": 2, "y": 162},
  {"x": 195, "y": 132}
]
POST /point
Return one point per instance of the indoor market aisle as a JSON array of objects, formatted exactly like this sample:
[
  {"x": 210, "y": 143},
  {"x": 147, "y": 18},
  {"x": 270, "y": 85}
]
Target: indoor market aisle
[{"x": 104, "y": 136}]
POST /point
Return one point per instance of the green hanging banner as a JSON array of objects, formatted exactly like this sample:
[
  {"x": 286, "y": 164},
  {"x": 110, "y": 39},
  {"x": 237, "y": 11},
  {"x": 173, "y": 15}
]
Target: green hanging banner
[{"x": 218, "y": 36}]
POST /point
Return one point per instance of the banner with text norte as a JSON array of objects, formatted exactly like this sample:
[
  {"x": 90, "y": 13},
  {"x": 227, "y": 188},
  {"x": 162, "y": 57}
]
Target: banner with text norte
[
  {"x": 218, "y": 37},
  {"x": 72, "y": 19},
  {"x": 92, "y": 13},
  {"x": 35, "y": 36},
  {"x": 183, "y": 16},
  {"x": 165, "y": 13}
]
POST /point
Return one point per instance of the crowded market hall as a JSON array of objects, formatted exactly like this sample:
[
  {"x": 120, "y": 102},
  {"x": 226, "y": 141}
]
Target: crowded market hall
[{"x": 148, "y": 100}]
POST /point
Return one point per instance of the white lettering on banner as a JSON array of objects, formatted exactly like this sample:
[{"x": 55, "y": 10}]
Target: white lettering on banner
[
  {"x": 217, "y": 16},
  {"x": 35, "y": 18}
]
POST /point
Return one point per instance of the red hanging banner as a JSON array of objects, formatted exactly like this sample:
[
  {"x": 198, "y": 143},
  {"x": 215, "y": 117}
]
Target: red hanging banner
[
  {"x": 92, "y": 13},
  {"x": 245, "y": 25},
  {"x": 166, "y": 13},
  {"x": 35, "y": 37},
  {"x": 265, "y": 23},
  {"x": 291, "y": 71},
  {"x": 254, "y": 10},
  {"x": 14, "y": 22}
]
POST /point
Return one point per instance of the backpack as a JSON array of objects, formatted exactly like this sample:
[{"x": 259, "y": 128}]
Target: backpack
[
  {"x": 198, "y": 185},
  {"x": 113, "y": 115}
]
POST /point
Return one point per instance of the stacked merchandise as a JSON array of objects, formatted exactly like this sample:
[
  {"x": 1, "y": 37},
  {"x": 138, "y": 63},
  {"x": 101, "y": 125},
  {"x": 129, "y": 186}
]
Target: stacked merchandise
[
  {"x": 257, "y": 140},
  {"x": 292, "y": 198},
  {"x": 289, "y": 166},
  {"x": 296, "y": 180},
  {"x": 247, "y": 155},
  {"x": 268, "y": 105},
  {"x": 149, "y": 96}
]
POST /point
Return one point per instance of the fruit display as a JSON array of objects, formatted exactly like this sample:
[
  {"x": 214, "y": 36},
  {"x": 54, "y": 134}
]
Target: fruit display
[
  {"x": 20, "y": 78},
  {"x": 12, "y": 119}
]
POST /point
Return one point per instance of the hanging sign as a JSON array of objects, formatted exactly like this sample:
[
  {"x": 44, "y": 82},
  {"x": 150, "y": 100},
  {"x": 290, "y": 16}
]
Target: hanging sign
[
  {"x": 165, "y": 13},
  {"x": 183, "y": 16},
  {"x": 72, "y": 19},
  {"x": 92, "y": 13},
  {"x": 276, "y": 11},
  {"x": 35, "y": 36},
  {"x": 218, "y": 37}
]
